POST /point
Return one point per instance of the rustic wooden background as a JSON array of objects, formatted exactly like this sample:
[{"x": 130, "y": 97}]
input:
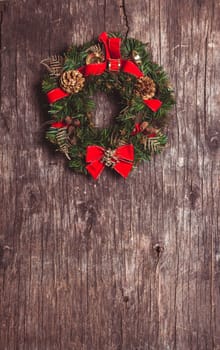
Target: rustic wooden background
[{"x": 113, "y": 264}]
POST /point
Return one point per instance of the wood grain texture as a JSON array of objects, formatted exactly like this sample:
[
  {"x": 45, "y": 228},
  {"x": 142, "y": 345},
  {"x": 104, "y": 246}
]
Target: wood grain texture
[{"x": 111, "y": 265}]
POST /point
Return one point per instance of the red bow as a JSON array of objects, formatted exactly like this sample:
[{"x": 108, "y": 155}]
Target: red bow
[
  {"x": 121, "y": 159},
  {"x": 114, "y": 63}
]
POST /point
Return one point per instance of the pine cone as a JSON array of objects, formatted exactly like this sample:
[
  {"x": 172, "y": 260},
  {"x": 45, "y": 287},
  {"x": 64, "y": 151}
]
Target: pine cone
[
  {"x": 144, "y": 125},
  {"x": 77, "y": 123},
  {"x": 145, "y": 87},
  {"x": 72, "y": 81},
  {"x": 68, "y": 120}
]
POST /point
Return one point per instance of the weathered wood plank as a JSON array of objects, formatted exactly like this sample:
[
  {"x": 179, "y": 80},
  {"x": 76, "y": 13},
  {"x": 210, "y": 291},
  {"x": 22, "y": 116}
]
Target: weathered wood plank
[
  {"x": 189, "y": 274},
  {"x": 114, "y": 264}
]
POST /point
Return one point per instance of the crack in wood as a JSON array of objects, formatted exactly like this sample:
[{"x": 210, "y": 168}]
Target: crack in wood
[
  {"x": 123, "y": 7},
  {"x": 2, "y": 8}
]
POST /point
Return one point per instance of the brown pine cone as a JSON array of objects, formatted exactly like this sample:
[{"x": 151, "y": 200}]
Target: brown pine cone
[
  {"x": 76, "y": 122},
  {"x": 144, "y": 125},
  {"x": 72, "y": 81},
  {"x": 71, "y": 130},
  {"x": 68, "y": 120},
  {"x": 152, "y": 130},
  {"x": 145, "y": 87}
]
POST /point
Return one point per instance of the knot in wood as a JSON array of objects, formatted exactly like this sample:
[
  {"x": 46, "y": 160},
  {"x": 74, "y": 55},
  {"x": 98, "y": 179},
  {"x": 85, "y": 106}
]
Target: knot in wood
[
  {"x": 109, "y": 158},
  {"x": 158, "y": 248}
]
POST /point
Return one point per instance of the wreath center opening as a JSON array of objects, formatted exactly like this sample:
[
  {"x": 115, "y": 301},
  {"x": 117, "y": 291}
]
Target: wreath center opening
[{"x": 106, "y": 108}]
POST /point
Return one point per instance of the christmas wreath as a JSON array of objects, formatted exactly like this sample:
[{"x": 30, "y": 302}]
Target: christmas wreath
[{"x": 114, "y": 65}]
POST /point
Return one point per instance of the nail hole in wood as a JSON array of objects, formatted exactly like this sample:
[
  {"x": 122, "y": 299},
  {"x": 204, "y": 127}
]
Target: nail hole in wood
[{"x": 158, "y": 248}]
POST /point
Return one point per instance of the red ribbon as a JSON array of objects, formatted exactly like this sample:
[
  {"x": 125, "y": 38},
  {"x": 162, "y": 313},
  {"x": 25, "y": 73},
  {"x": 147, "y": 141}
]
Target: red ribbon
[
  {"x": 153, "y": 104},
  {"x": 56, "y": 94},
  {"x": 114, "y": 63},
  {"x": 121, "y": 160},
  {"x": 58, "y": 125}
]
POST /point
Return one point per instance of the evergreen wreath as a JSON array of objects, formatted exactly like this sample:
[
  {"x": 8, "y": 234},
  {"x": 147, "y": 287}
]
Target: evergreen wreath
[{"x": 112, "y": 64}]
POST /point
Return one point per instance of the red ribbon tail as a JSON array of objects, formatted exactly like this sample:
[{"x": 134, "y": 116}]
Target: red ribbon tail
[
  {"x": 103, "y": 37},
  {"x": 126, "y": 156},
  {"x": 112, "y": 46},
  {"x": 123, "y": 168},
  {"x": 131, "y": 68},
  {"x": 55, "y": 95},
  {"x": 95, "y": 169},
  {"x": 93, "y": 156},
  {"x": 153, "y": 104}
]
